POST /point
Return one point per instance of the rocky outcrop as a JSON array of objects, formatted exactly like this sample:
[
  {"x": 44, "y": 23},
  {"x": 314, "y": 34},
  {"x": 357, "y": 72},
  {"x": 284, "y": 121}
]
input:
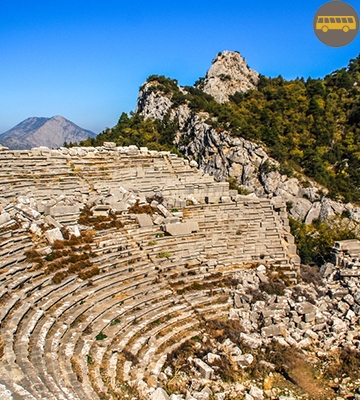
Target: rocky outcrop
[
  {"x": 152, "y": 104},
  {"x": 227, "y": 75},
  {"x": 215, "y": 152}
]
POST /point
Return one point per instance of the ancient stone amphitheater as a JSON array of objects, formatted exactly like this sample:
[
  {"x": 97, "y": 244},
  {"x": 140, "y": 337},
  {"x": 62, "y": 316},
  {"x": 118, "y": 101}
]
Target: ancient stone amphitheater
[{"x": 149, "y": 281}]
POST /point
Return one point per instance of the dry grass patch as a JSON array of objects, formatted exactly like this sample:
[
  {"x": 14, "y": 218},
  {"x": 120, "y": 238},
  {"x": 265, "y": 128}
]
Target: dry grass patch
[
  {"x": 2, "y": 348},
  {"x": 76, "y": 368}
]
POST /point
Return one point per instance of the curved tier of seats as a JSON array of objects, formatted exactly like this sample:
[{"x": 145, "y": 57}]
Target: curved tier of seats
[{"x": 108, "y": 335}]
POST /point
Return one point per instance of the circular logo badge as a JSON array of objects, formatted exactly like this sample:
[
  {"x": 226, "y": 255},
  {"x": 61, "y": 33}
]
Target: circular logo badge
[{"x": 336, "y": 24}]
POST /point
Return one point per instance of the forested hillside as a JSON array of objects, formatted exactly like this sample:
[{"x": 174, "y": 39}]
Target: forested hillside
[{"x": 310, "y": 126}]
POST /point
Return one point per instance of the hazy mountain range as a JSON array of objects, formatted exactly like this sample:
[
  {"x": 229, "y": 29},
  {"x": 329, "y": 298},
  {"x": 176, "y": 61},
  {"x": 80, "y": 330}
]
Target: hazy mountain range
[{"x": 50, "y": 132}]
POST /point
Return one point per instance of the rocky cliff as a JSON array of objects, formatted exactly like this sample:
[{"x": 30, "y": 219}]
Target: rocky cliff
[
  {"x": 49, "y": 132},
  {"x": 228, "y": 74},
  {"x": 247, "y": 163}
]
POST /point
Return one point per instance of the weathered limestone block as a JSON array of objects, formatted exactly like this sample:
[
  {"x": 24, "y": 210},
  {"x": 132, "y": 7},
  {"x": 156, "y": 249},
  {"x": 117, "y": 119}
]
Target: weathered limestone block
[
  {"x": 74, "y": 230},
  {"x": 273, "y": 330},
  {"x": 53, "y": 234},
  {"x": 109, "y": 145},
  {"x": 34, "y": 228},
  {"x": 206, "y": 371},
  {"x": 243, "y": 360},
  {"x": 184, "y": 228},
  {"x": 212, "y": 358},
  {"x": 4, "y": 218},
  {"x": 63, "y": 210},
  {"x": 271, "y": 181},
  {"x": 250, "y": 341},
  {"x": 144, "y": 220},
  {"x": 339, "y": 326},
  {"x": 305, "y": 308},
  {"x": 256, "y": 393},
  {"x": 300, "y": 208},
  {"x": 164, "y": 211},
  {"x": 159, "y": 394},
  {"x": 28, "y": 211},
  {"x": 159, "y": 220},
  {"x": 291, "y": 186},
  {"x": 51, "y": 221},
  {"x": 101, "y": 211}
]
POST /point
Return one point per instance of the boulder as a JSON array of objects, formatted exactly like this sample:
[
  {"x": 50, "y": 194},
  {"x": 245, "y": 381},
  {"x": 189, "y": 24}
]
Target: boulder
[
  {"x": 305, "y": 308},
  {"x": 243, "y": 360},
  {"x": 271, "y": 181},
  {"x": 109, "y": 145},
  {"x": 212, "y": 358},
  {"x": 205, "y": 370},
  {"x": 159, "y": 394},
  {"x": 339, "y": 326},
  {"x": 314, "y": 213},
  {"x": 250, "y": 341},
  {"x": 256, "y": 393},
  {"x": 291, "y": 186},
  {"x": 273, "y": 330},
  {"x": 300, "y": 208}
]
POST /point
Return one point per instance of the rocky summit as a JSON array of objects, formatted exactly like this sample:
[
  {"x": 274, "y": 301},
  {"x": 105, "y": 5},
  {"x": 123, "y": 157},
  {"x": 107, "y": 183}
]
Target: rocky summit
[
  {"x": 49, "y": 132},
  {"x": 228, "y": 74}
]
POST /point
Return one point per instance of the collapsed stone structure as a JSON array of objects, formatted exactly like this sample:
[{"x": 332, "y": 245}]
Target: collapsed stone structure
[{"x": 72, "y": 337}]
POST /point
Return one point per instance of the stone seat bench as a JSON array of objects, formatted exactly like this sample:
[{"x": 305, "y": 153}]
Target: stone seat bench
[
  {"x": 112, "y": 262},
  {"x": 98, "y": 325},
  {"x": 49, "y": 296},
  {"x": 205, "y": 299},
  {"x": 111, "y": 245},
  {"x": 13, "y": 240},
  {"x": 143, "y": 347},
  {"x": 19, "y": 281},
  {"x": 132, "y": 279},
  {"x": 143, "y": 308},
  {"x": 107, "y": 297},
  {"x": 9, "y": 274},
  {"x": 178, "y": 320},
  {"x": 29, "y": 367},
  {"x": 47, "y": 378},
  {"x": 158, "y": 365},
  {"x": 6, "y": 308},
  {"x": 21, "y": 388},
  {"x": 153, "y": 352},
  {"x": 177, "y": 248},
  {"x": 131, "y": 312},
  {"x": 153, "y": 315}
]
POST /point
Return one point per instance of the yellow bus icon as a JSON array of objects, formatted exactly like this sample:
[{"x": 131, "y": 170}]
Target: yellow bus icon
[{"x": 327, "y": 23}]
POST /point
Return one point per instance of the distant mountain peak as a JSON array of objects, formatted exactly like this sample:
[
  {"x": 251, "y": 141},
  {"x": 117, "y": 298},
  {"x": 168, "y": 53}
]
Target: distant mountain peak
[
  {"x": 40, "y": 131},
  {"x": 228, "y": 74}
]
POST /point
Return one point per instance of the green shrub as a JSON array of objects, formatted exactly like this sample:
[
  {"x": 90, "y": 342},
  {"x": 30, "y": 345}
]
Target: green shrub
[
  {"x": 100, "y": 336},
  {"x": 164, "y": 254}
]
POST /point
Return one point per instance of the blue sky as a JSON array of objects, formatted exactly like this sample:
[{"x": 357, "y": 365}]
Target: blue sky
[{"x": 85, "y": 60}]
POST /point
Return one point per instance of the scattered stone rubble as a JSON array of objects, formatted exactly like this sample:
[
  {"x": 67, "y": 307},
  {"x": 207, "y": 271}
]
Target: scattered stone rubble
[{"x": 317, "y": 320}]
